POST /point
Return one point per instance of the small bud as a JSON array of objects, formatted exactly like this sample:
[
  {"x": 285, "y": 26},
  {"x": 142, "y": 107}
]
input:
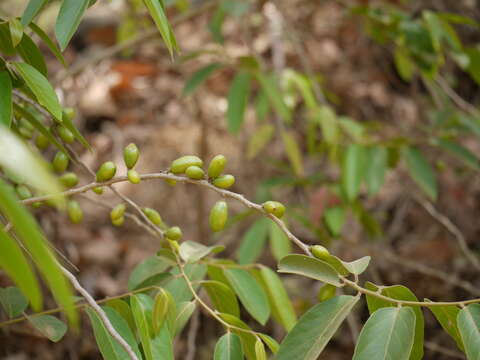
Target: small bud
[
  {"x": 181, "y": 164},
  {"x": 106, "y": 171},
  {"x": 218, "y": 216},
  {"x": 60, "y": 162},
  {"x": 274, "y": 207},
  {"x": 133, "y": 176},
  {"x": 320, "y": 252},
  {"x": 117, "y": 212},
  {"x": 69, "y": 113},
  {"x": 69, "y": 179},
  {"x": 153, "y": 215},
  {"x": 224, "y": 181},
  {"x": 75, "y": 212},
  {"x": 217, "y": 165},
  {"x": 195, "y": 172},
  {"x": 174, "y": 233},
  {"x": 98, "y": 190},
  {"x": 130, "y": 155}
]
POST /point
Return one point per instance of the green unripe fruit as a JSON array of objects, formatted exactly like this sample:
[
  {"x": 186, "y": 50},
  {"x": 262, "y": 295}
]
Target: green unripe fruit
[
  {"x": 320, "y": 252},
  {"x": 42, "y": 142},
  {"x": 119, "y": 221},
  {"x": 218, "y": 216},
  {"x": 174, "y": 233},
  {"x": 65, "y": 134},
  {"x": 69, "y": 179},
  {"x": 69, "y": 113},
  {"x": 130, "y": 155},
  {"x": 75, "y": 212},
  {"x": 217, "y": 165},
  {"x": 181, "y": 164},
  {"x": 37, "y": 204},
  {"x": 60, "y": 162},
  {"x": 171, "y": 182},
  {"x": 98, "y": 190},
  {"x": 326, "y": 292},
  {"x": 118, "y": 212},
  {"x": 23, "y": 192},
  {"x": 133, "y": 176},
  {"x": 25, "y": 132},
  {"x": 195, "y": 172},
  {"x": 106, "y": 171},
  {"x": 224, "y": 181},
  {"x": 274, "y": 207},
  {"x": 153, "y": 215}
]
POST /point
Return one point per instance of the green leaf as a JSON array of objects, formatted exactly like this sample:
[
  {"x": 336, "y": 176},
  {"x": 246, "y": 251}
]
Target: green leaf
[
  {"x": 28, "y": 230},
  {"x": 140, "y": 307},
  {"x": 357, "y": 266},
  {"x": 460, "y": 152},
  {"x": 400, "y": 292},
  {"x": 248, "y": 340},
  {"x": 326, "y": 117},
  {"x": 468, "y": 320},
  {"x": 49, "y": 326},
  {"x": 315, "y": 328},
  {"x": 334, "y": 219},
  {"x": 376, "y": 168},
  {"x": 280, "y": 245},
  {"x": 260, "y": 353},
  {"x": 293, "y": 152},
  {"x": 41, "y": 88},
  {"x": 228, "y": 347},
  {"x": 309, "y": 267},
  {"x": 162, "y": 346},
  {"x": 253, "y": 242},
  {"x": 12, "y": 300},
  {"x": 184, "y": 312},
  {"x": 237, "y": 101},
  {"x": 215, "y": 25},
  {"x": 404, "y": 64},
  {"x": 421, "y": 172},
  {"x": 191, "y": 251},
  {"x": 68, "y": 19},
  {"x": 16, "y": 31},
  {"x": 250, "y": 293},
  {"x": 447, "y": 317},
  {"x": 5, "y": 99},
  {"x": 164, "y": 311},
  {"x": 274, "y": 96},
  {"x": 123, "y": 309},
  {"x": 222, "y": 297},
  {"x": 387, "y": 334},
  {"x": 32, "y": 9},
  {"x": 272, "y": 344},
  {"x": 179, "y": 288},
  {"x": 32, "y": 55},
  {"x": 353, "y": 170},
  {"x": 259, "y": 139},
  {"x": 109, "y": 347},
  {"x": 16, "y": 266},
  {"x": 156, "y": 10},
  {"x": 50, "y": 44},
  {"x": 199, "y": 77},
  {"x": 146, "y": 270},
  {"x": 282, "y": 308}
]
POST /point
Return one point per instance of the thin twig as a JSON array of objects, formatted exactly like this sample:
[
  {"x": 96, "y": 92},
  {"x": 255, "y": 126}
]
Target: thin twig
[
  {"x": 192, "y": 336},
  {"x": 457, "y": 99},
  {"x": 108, "y": 325},
  {"x": 453, "y": 229}
]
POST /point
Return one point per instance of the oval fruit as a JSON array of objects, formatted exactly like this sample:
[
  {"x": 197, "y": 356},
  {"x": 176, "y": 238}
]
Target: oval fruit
[
  {"x": 181, "y": 164},
  {"x": 69, "y": 113},
  {"x": 133, "y": 176},
  {"x": 174, "y": 233},
  {"x": 65, "y": 134},
  {"x": 60, "y": 162},
  {"x": 98, "y": 190},
  {"x": 217, "y": 165},
  {"x": 195, "y": 172},
  {"x": 23, "y": 192},
  {"x": 75, "y": 212},
  {"x": 218, "y": 216},
  {"x": 153, "y": 215},
  {"x": 320, "y": 252},
  {"x": 130, "y": 155},
  {"x": 274, "y": 207},
  {"x": 224, "y": 181},
  {"x": 69, "y": 179},
  {"x": 106, "y": 171},
  {"x": 42, "y": 142},
  {"x": 171, "y": 182},
  {"x": 117, "y": 212},
  {"x": 326, "y": 292},
  {"x": 119, "y": 221}
]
